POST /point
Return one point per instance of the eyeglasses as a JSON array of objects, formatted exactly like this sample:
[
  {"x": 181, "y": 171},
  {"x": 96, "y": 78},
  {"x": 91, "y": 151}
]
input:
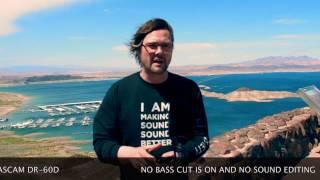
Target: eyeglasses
[{"x": 153, "y": 47}]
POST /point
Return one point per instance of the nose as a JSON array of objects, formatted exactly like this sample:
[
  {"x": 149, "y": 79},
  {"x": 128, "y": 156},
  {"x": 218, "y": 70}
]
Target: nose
[{"x": 159, "y": 50}]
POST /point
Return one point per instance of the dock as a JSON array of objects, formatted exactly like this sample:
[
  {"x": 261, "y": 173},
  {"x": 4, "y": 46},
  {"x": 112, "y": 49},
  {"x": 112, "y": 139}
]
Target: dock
[{"x": 70, "y": 108}]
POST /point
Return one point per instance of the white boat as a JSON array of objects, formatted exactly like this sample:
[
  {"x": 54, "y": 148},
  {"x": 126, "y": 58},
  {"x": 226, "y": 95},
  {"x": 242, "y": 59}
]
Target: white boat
[
  {"x": 73, "y": 119},
  {"x": 53, "y": 114},
  {"x": 32, "y": 126},
  {"x": 23, "y": 124},
  {"x": 55, "y": 124},
  {"x": 26, "y": 123},
  {"x": 70, "y": 123},
  {"x": 3, "y": 119},
  {"x": 49, "y": 120},
  {"x": 86, "y": 118},
  {"x": 39, "y": 121},
  {"x": 44, "y": 125},
  {"x": 86, "y": 121},
  {"x": 61, "y": 119},
  {"x": 20, "y": 126},
  {"x": 14, "y": 126},
  {"x": 204, "y": 87}
]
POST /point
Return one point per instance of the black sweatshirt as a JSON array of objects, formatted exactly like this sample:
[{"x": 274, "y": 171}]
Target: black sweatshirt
[{"x": 137, "y": 113}]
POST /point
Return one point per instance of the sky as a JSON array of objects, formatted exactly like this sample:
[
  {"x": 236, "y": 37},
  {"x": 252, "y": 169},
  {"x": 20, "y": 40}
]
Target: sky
[{"x": 94, "y": 33}]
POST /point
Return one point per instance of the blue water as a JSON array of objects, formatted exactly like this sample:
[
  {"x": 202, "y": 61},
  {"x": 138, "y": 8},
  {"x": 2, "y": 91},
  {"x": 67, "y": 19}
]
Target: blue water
[{"x": 222, "y": 115}]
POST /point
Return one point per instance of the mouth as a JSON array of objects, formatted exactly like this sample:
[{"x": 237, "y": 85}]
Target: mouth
[{"x": 158, "y": 61}]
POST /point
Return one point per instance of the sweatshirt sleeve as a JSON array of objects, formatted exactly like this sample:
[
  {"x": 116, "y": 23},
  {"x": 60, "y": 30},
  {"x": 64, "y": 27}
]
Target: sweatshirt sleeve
[
  {"x": 105, "y": 129},
  {"x": 199, "y": 143}
]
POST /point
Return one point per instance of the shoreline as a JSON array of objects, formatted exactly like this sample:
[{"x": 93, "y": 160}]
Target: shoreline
[
  {"x": 200, "y": 73},
  {"x": 58, "y": 81},
  {"x": 9, "y": 102}
]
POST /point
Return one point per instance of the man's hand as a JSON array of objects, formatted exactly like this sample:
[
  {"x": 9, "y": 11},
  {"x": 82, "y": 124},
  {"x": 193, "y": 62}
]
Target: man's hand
[
  {"x": 137, "y": 156},
  {"x": 168, "y": 154}
]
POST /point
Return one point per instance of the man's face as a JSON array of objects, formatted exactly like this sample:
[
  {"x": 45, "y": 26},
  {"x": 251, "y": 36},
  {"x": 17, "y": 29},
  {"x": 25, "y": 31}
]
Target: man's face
[{"x": 156, "y": 51}]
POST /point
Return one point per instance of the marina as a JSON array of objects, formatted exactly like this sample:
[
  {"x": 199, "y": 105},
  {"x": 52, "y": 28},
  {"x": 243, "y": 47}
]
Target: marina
[
  {"x": 42, "y": 123},
  {"x": 55, "y": 115}
]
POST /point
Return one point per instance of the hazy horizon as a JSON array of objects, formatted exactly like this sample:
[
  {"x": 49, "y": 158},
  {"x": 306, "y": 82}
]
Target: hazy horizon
[{"x": 92, "y": 66}]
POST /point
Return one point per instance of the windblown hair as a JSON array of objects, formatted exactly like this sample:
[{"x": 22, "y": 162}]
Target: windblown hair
[{"x": 143, "y": 30}]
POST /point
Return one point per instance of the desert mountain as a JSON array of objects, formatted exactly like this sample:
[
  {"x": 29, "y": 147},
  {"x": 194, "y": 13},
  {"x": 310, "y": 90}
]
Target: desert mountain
[
  {"x": 265, "y": 64},
  {"x": 282, "y": 61}
]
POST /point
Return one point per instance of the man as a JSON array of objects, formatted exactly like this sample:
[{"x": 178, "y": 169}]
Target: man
[{"x": 151, "y": 114}]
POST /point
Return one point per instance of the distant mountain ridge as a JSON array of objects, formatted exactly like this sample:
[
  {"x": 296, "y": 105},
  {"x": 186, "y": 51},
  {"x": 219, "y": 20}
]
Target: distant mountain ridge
[
  {"x": 264, "y": 64},
  {"x": 39, "y": 70},
  {"x": 16, "y": 74},
  {"x": 259, "y": 63},
  {"x": 282, "y": 60}
]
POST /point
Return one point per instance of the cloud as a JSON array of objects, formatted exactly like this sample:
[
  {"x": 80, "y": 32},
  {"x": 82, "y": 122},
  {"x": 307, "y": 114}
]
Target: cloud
[
  {"x": 120, "y": 48},
  {"x": 288, "y": 36},
  {"x": 286, "y": 21},
  {"x": 200, "y": 53},
  {"x": 309, "y": 37},
  {"x": 194, "y": 46},
  {"x": 11, "y": 10}
]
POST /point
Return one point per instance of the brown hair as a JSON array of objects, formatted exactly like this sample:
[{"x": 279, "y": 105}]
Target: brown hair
[{"x": 143, "y": 30}]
